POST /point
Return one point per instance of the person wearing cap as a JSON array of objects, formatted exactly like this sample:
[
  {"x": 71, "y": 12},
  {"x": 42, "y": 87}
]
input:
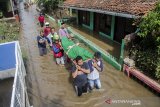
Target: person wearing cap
[
  {"x": 56, "y": 37},
  {"x": 41, "y": 19},
  {"x": 63, "y": 31},
  {"x": 58, "y": 50},
  {"x": 47, "y": 29},
  {"x": 96, "y": 66}
]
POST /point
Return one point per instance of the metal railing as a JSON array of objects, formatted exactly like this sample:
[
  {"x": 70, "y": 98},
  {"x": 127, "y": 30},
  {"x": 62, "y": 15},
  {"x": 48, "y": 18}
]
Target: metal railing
[{"x": 19, "y": 92}]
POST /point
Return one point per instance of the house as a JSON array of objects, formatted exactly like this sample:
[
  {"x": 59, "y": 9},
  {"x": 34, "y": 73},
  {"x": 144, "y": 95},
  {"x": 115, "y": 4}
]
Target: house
[
  {"x": 13, "y": 91},
  {"x": 9, "y": 7},
  {"x": 112, "y": 19}
]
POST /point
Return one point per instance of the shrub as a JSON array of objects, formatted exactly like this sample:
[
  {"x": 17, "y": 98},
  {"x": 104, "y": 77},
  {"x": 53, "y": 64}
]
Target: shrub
[
  {"x": 146, "y": 50},
  {"x": 11, "y": 34}
]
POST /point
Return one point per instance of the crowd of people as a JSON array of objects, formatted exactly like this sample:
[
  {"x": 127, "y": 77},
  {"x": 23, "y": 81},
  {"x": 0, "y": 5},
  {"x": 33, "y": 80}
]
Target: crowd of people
[{"x": 85, "y": 73}]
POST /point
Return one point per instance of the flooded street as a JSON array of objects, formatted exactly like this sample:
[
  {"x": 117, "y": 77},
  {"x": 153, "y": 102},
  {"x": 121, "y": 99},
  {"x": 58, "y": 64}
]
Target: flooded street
[{"x": 50, "y": 85}]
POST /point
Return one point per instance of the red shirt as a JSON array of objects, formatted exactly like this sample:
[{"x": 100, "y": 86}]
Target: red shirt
[
  {"x": 47, "y": 30},
  {"x": 41, "y": 18}
]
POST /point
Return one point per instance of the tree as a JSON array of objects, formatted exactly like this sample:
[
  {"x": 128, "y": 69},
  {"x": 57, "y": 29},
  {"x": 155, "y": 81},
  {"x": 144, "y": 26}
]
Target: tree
[
  {"x": 50, "y": 5},
  {"x": 150, "y": 30},
  {"x": 147, "y": 48},
  {"x": 150, "y": 25}
]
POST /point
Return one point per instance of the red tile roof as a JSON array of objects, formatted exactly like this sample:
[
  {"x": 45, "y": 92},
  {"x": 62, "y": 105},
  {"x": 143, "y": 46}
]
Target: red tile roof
[{"x": 133, "y": 7}]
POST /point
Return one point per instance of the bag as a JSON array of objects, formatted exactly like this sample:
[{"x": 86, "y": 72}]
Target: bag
[
  {"x": 56, "y": 49},
  {"x": 57, "y": 52}
]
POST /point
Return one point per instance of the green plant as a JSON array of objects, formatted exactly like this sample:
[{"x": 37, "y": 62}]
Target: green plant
[
  {"x": 146, "y": 50},
  {"x": 49, "y": 5},
  {"x": 158, "y": 69},
  {"x": 150, "y": 24},
  {"x": 10, "y": 34}
]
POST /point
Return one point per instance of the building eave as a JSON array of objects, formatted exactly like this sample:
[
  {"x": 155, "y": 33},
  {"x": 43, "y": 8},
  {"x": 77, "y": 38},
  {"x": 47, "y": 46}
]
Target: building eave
[{"x": 104, "y": 12}]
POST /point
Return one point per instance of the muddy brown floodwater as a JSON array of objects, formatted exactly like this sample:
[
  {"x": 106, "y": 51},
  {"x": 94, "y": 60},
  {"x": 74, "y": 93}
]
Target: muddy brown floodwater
[{"x": 50, "y": 85}]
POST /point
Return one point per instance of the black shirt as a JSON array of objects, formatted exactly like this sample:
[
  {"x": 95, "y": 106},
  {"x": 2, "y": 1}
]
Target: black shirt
[
  {"x": 43, "y": 38},
  {"x": 81, "y": 79}
]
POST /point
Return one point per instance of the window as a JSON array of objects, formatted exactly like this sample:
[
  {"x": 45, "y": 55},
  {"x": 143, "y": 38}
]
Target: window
[
  {"x": 105, "y": 24},
  {"x": 74, "y": 11},
  {"x": 129, "y": 28},
  {"x": 86, "y": 18}
]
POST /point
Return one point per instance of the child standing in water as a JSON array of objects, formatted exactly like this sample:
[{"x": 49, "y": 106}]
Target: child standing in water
[{"x": 58, "y": 51}]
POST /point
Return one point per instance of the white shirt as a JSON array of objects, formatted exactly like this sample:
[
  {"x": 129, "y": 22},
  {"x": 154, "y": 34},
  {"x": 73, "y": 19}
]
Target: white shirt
[
  {"x": 50, "y": 37},
  {"x": 95, "y": 73}
]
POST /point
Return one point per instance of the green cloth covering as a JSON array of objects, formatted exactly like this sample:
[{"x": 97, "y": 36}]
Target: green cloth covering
[{"x": 75, "y": 50}]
